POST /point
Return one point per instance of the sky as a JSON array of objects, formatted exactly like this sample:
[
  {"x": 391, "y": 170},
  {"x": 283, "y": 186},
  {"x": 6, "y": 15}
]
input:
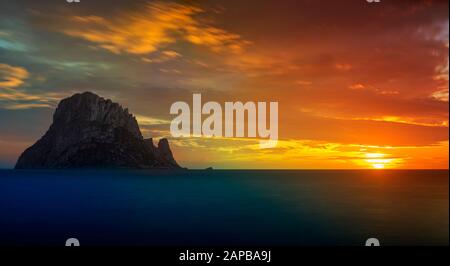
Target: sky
[{"x": 359, "y": 85}]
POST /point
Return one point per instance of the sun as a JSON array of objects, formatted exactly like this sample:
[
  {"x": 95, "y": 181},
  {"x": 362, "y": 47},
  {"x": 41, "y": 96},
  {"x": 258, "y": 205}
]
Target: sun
[
  {"x": 377, "y": 160},
  {"x": 378, "y": 166}
]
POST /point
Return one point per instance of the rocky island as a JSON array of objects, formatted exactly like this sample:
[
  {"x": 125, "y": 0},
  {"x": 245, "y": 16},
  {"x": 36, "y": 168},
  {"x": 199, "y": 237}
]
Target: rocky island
[{"x": 91, "y": 132}]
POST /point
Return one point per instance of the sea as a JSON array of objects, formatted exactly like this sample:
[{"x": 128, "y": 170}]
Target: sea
[{"x": 224, "y": 207}]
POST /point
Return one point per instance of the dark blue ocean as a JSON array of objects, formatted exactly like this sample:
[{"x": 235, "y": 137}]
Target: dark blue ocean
[{"x": 224, "y": 208}]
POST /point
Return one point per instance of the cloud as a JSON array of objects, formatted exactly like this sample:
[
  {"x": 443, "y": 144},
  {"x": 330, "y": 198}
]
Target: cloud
[
  {"x": 149, "y": 121},
  {"x": 12, "y": 77},
  {"x": 152, "y": 28},
  {"x": 21, "y": 99},
  {"x": 18, "y": 106},
  {"x": 357, "y": 86},
  {"x": 343, "y": 67},
  {"x": 441, "y": 93},
  {"x": 13, "y": 97},
  {"x": 9, "y": 42},
  {"x": 161, "y": 57}
]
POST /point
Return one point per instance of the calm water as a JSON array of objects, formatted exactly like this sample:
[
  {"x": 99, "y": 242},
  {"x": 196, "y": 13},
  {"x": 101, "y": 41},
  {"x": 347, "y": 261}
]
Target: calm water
[{"x": 219, "y": 208}]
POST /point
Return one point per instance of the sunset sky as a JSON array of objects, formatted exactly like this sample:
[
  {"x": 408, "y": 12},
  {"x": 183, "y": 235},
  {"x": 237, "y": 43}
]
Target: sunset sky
[{"x": 359, "y": 85}]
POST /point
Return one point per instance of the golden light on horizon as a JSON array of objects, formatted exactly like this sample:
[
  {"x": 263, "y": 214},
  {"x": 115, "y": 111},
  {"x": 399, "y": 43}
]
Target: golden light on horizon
[
  {"x": 378, "y": 161},
  {"x": 378, "y": 166}
]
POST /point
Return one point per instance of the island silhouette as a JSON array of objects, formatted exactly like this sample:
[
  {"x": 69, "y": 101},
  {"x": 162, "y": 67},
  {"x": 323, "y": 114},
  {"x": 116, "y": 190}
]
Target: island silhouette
[{"x": 89, "y": 131}]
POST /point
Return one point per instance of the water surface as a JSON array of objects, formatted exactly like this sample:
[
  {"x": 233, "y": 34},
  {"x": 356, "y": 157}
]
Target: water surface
[{"x": 218, "y": 208}]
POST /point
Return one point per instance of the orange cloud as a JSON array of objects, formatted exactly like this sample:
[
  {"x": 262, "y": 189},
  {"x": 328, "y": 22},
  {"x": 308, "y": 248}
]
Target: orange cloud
[
  {"x": 147, "y": 120},
  {"x": 162, "y": 57},
  {"x": 343, "y": 67},
  {"x": 15, "y": 99},
  {"x": 152, "y": 28},
  {"x": 357, "y": 86},
  {"x": 11, "y": 95},
  {"x": 441, "y": 95},
  {"x": 12, "y": 77},
  {"x": 442, "y": 76}
]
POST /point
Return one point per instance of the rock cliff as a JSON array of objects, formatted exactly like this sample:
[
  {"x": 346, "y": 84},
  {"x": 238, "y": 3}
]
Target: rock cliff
[{"x": 91, "y": 132}]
